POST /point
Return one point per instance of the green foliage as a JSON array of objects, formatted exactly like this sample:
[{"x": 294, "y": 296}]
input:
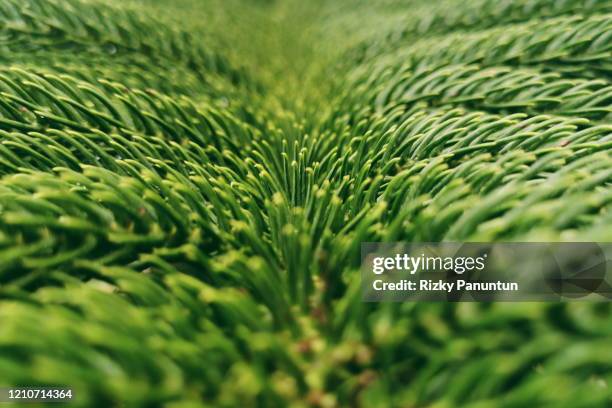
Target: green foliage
[{"x": 184, "y": 187}]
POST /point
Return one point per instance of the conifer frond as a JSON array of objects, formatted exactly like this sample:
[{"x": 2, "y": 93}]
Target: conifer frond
[{"x": 185, "y": 185}]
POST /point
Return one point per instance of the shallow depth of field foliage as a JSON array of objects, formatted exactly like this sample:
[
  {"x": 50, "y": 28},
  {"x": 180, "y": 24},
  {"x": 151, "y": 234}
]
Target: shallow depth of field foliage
[{"x": 185, "y": 186}]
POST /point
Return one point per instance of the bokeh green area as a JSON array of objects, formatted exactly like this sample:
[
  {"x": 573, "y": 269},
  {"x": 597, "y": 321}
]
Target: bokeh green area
[{"x": 185, "y": 186}]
